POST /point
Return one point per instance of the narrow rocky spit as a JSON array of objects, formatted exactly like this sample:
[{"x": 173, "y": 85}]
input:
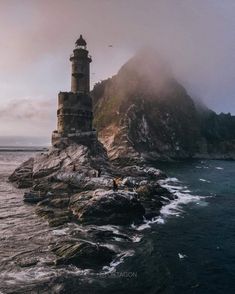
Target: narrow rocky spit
[{"x": 75, "y": 184}]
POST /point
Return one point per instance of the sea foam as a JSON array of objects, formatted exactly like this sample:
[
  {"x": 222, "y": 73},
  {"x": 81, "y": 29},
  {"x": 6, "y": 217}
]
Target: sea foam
[{"x": 174, "y": 208}]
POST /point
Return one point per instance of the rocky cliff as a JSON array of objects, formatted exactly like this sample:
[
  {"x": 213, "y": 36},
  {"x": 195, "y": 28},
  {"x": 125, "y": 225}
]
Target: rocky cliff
[{"x": 143, "y": 112}]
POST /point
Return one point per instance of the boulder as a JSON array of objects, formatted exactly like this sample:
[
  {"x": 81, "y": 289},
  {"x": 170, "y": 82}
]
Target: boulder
[
  {"x": 59, "y": 202},
  {"x": 27, "y": 261},
  {"x": 83, "y": 254},
  {"x": 152, "y": 190},
  {"x": 143, "y": 172},
  {"x": 107, "y": 207},
  {"x": 83, "y": 182},
  {"x": 59, "y": 221},
  {"x": 55, "y": 217},
  {"x": 152, "y": 196},
  {"x": 22, "y": 176}
]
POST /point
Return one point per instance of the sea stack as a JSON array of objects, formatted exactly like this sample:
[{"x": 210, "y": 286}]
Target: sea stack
[{"x": 74, "y": 114}]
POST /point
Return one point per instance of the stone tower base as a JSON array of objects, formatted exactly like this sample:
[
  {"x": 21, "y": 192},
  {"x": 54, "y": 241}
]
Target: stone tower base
[{"x": 84, "y": 138}]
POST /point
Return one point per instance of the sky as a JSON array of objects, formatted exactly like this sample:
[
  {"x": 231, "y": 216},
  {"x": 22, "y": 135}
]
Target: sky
[{"x": 37, "y": 37}]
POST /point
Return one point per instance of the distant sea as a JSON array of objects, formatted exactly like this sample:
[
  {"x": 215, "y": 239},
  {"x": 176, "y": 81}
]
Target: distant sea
[
  {"x": 22, "y": 148},
  {"x": 189, "y": 248}
]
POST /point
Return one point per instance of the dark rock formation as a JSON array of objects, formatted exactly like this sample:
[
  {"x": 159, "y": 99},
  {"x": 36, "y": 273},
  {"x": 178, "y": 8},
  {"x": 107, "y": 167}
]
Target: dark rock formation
[
  {"x": 55, "y": 166},
  {"x": 22, "y": 176},
  {"x": 75, "y": 184},
  {"x": 107, "y": 207},
  {"x": 144, "y": 112},
  {"x": 83, "y": 254}
]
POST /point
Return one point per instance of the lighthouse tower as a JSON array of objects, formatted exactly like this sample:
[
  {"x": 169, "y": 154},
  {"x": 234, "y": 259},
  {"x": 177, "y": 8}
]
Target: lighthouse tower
[
  {"x": 74, "y": 114},
  {"x": 80, "y": 81}
]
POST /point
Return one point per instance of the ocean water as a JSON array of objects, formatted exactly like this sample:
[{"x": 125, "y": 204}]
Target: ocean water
[{"x": 188, "y": 248}]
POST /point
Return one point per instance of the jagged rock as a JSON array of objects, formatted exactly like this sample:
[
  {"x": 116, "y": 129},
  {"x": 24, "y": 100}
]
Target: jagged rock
[
  {"x": 22, "y": 176},
  {"x": 59, "y": 221},
  {"x": 59, "y": 202},
  {"x": 144, "y": 172},
  {"x": 33, "y": 197},
  {"x": 83, "y": 254},
  {"x": 55, "y": 159},
  {"x": 106, "y": 207},
  {"x": 45, "y": 212},
  {"x": 83, "y": 182},
  {"x": 99, "y": 235},
  {"x": 152, "y": 196},
  {"x": 27, "y": 262},
  {"x": 57, "y": 165},
  {"x": 54, "y": 216},
  {"x": 152, "y": 190}
]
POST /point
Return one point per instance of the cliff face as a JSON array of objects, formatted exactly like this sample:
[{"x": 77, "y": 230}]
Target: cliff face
[{"x": 144, "y": 112}]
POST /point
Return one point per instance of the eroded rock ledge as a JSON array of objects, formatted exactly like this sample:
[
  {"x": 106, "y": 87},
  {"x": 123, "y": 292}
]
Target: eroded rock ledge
[{"x": 75, "y": 184}]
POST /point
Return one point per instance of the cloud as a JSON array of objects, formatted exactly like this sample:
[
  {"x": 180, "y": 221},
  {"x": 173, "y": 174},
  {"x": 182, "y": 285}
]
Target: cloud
[
  {"x": 28, "y": 109},
  {"x": 28, "y": 116},
  {"x": 37, "y": 37}
]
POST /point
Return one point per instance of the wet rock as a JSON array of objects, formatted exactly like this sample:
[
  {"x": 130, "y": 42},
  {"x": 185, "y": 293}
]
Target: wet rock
[
  {"x": 27, "y": 262},
  {"x": 152, "y": 190},
  {"x": 154, "y": 173},
  {"x": 103, "y": 235},
  {"x": 84, "y": 182},
  {"x": 107, "y": 207},
  {"x": 130, "y": 182},
  {"x": 22, "y": 177},
  {"x": 45, "y": 212},
  {"x": 55, "y": 217},
  {"x": 33, "y": 197},
  {"x": 83, "y": 254},
  {"x": 59, "y": 202},
  {"x": 53, "y": 170},
  {"x": 143, "y": 172},
  {"x": 152, "y": 196},
  {"x": 59, "y": 221}
]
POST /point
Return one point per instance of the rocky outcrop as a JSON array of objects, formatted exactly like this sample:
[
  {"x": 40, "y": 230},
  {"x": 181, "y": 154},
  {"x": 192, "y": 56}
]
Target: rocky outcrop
[
  {"x": 22, "y": 176},
  {"x": 75, "y": 184},
  {"x": 57, "y": 164},
  {"x": 144, "y": 113},
  {"x": 83, "y": 254},
  {"x": 104, "y": 207}
]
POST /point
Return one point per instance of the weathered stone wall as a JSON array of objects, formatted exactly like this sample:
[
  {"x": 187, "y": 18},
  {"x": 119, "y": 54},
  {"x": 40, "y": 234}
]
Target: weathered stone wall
[
  {"x": 74, "y": 113},
  {"x": 80, "y": 81}
]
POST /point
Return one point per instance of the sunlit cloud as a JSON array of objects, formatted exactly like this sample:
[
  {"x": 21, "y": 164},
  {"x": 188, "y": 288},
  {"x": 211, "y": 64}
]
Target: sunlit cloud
[{"x": 37, "y": 37}]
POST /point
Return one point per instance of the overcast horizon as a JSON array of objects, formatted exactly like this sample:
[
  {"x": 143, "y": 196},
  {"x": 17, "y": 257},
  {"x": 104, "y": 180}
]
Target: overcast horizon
[{"x": 195, "y": 36}]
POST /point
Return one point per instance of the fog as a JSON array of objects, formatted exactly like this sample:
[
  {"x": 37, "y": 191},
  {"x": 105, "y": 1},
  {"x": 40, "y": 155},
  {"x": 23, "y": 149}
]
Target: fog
[{"x": 196, "y": 37}]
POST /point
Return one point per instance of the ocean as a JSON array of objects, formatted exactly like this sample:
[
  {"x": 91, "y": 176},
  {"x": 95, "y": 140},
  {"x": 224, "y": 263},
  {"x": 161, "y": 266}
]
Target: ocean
[{"x": 189, "y": 248}]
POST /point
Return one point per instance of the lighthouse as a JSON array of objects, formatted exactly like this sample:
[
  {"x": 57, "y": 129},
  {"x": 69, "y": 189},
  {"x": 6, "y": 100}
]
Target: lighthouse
[
  {"x": 80, "y": 80},
  {"x": 74, "y": 114}
]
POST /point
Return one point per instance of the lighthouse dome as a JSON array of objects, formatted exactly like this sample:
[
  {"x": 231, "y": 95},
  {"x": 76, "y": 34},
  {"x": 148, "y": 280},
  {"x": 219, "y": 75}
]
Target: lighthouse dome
[{"x": 80, "y": 41}]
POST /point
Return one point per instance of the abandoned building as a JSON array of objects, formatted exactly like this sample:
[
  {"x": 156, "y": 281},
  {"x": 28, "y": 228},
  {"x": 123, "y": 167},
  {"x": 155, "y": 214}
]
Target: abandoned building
[{"x": 74, "y": 114}]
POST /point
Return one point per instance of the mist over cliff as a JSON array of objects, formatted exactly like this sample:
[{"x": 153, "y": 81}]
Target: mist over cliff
[{"x": 144, "y": 111}]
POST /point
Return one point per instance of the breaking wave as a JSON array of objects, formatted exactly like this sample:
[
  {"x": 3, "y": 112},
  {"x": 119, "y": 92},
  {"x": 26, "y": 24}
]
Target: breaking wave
[{"x": 175, "y": 206}]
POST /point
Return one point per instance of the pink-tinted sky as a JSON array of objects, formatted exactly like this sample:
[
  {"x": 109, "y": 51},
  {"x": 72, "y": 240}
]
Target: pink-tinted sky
[{"x": 37, "y": 37}]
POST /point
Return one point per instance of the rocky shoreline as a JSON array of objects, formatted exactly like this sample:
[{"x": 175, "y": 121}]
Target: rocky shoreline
[{"x": 76, "y": 184}]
